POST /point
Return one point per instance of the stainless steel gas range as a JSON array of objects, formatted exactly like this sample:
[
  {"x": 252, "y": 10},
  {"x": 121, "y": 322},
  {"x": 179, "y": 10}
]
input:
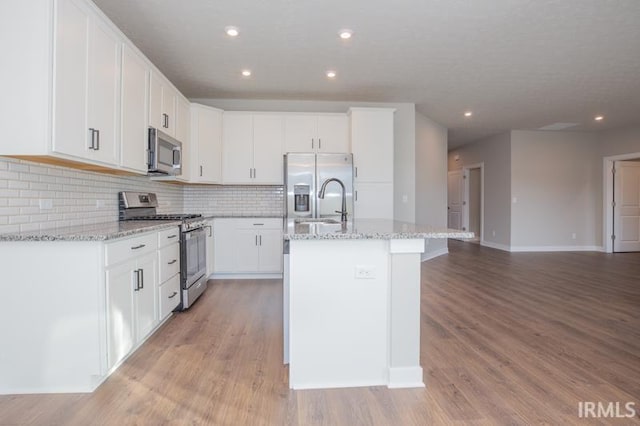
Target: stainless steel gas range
[{"x": 193, "y": 233}]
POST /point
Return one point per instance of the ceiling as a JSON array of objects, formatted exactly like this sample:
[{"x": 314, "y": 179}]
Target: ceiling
[{"x": 517, "y": 64}]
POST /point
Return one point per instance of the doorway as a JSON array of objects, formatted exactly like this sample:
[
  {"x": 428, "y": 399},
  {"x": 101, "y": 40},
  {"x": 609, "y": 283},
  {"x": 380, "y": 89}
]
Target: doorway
[
  {"x": 621, "y": 203},
  {"x": 455, "y": 190},
  {"x": 473, "y": 200}
]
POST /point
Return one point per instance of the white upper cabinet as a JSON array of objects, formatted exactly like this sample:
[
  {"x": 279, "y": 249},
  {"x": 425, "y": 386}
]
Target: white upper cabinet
[
  {"x": 252, "y": 148},
  {"x": 206, "y": 144},
  {"x": 162, "y": 105},
  {"x": 372, "y": 144},
  {"x": 316, "y": 133},
  {"x": 135, "y": 78},
  {"x": 86, "y": 86},
  {"x": 85, "y": 94}
]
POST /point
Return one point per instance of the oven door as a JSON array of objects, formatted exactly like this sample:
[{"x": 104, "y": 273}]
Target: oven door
[{"x": 194, "y": 256}]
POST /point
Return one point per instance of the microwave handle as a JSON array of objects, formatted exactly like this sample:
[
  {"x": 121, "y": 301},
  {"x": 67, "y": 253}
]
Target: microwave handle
[{"x": 177, "y": 154}]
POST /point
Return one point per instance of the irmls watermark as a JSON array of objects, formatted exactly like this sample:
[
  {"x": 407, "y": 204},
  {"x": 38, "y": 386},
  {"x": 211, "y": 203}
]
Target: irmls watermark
[{"x": 612, "y": 409}]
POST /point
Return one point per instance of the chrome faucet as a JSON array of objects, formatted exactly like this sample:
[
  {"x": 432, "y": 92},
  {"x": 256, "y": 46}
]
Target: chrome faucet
[{"x": 343, "y": 213}]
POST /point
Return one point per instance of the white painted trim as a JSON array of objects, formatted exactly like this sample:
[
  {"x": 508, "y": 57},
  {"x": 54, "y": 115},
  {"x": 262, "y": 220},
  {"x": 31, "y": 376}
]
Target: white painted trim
[
  {"x": 405, "y": 377},
  {"x": 336, "y": 385},
  {"x": 234, "y": 276},
  {"x": 517, "y": 249},
  {"x": 414, "y": 245},
  {"x": 428, "y": 255},
  {"x": 465, "y": 196},
  {"x": 607, "y": 197},
  {"x": 496, "y": 246}
]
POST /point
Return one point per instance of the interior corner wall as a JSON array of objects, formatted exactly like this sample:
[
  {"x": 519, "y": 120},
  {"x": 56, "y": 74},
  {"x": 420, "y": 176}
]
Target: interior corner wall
[
  {"x": 431, "y": 179},
  {"x": 556, "y": 186},
  {"x": 495, "y": 153},
  {"x": 404, "y": 137},
  {"x": 619, "y": 142}
]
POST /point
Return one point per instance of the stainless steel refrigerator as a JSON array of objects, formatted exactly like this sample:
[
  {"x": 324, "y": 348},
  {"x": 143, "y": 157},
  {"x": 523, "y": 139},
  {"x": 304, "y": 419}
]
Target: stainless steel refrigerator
[{"x": 304, "y": 175}]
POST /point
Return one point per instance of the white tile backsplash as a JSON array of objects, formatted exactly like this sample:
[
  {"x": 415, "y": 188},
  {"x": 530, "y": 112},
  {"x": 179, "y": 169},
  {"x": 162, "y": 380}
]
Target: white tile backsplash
[{"x": 80, "y": 197}]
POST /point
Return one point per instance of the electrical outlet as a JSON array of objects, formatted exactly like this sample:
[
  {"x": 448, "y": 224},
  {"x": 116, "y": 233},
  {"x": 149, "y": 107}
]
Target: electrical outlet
[
  {"x": 46, "y": 204},
  {"x": 573, "y": 236},
  {"x": 405, "y": 198},
  {"x": 515, "y": 200},
  {"x": 99, "y": 204},
  {"x": 493, "y": 233},
  {"x": 365, "y": 272}
]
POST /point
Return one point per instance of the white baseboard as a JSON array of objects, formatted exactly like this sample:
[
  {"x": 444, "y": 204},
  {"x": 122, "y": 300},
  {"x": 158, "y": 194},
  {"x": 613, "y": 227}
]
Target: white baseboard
[
  {"x": 497, "y": 246},
  {"x": 555, "y": 248},
  {"x": 336, "y": 385},
  {"x": 405, "y": 377},
  {"x": 220, "y": 276},
  {"x": 428, "y": 255}
]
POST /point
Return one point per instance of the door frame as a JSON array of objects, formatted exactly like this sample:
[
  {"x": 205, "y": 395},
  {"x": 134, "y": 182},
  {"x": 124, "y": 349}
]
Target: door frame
[
  {"x": 607, "y": 197},
  {"x": 465, "y": 197}
]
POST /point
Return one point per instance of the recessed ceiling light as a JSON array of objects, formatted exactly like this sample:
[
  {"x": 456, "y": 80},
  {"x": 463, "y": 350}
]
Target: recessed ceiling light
[
  {"x": 232, "y": 31},
  {"x": 468, "y": 114},
  {"x": 345, "y": 34},
  {"x": 331, "y": 74},
  {"x": 246, "y": 73},
  {"x": 599, "y": 117}
]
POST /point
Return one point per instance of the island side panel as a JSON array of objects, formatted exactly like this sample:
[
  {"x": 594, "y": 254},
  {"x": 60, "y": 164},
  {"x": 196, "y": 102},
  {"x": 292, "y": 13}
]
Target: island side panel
[
  {"x": 338, "y": 322},
  {"x": 404, "y": 364}
]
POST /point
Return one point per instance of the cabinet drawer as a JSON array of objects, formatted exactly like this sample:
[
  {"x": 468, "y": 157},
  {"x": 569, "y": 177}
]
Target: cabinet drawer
[
  {"x": 169, "y": 296},
  {"x": 131, "y": 247},
  {"x": 168, "y": 236},
  {"x": 259, "y": 223},
  {"x": 169, "y": 258}
]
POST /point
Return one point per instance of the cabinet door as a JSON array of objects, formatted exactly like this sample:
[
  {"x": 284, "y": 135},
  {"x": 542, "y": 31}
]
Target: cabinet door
[
  {"x": 373, "y": 201},
  {"x": 120, "y": 282},
  {"x": 237, "y": 148},
  {"x": 372, "y": 145},
  {"x": 104, "y": 94},
  {"x": 169, "y": 99},
  {"x": 207, "y": 165},
  {"x": 223, "y": 245},
  {"x": 145, "y": 296},
  {"x": 210, "y": 248},
  {"x": 267, "y": 149},
  {"x": 270, "y": 244},
  {"x": 333, "y": 133},
  {"x": 246, "y": 251},
  {"x": 71, "y": 133},
  {"x": 300, "y": 133},
  {"x": 155, "y": 101},
  {"x": 135, "y": 76}
]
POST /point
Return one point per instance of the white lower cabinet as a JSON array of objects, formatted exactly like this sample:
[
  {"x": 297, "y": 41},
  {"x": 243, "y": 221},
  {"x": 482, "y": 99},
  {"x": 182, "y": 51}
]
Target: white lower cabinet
[
  {"x": 169, "y": 272},
  {"x": 169, "y": 297},
  {"x": 248, "y": 246},
  {"x": 131, "y": 294}
]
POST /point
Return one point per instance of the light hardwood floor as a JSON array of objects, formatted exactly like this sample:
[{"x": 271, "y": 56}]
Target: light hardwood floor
[{"x": 506, "y": 339}]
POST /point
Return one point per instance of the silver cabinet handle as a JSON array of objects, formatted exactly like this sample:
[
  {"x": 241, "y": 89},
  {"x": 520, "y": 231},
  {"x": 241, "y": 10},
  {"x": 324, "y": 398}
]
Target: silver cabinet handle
[
  {"x": 173, "y": 295},
  {"x": 319, "y": 143},
  {"x": 200, "y": 171},
  {"x": 172, "y": 262},
  {"x": 91, "y": 141},
  {"x": 97, "y": 148},
  {"x": 137, "y": 272},
  {"x": 260, "y": 240},
  {"x": 254, "y": 173},
  {"x": 172, "y": 236},
  {"x": 256, "y": 240},
  {"x": 356, "y": 195},
  {"x": 141, "y": 278},
  {"x": 356, "y": 172},
  {"x": 258, "y": 224},
  {"x": 138, "y": 247},
  {"x": 311, "y": 143}
]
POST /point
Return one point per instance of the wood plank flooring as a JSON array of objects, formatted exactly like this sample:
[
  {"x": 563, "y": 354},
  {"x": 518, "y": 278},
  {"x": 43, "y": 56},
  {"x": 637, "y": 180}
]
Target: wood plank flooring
[{"x": 506, "y": 339}]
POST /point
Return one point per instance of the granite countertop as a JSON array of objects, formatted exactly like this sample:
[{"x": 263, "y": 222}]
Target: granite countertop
[
  {"x": 97, "y": 232},
  {"x": 359, "y": 229}
]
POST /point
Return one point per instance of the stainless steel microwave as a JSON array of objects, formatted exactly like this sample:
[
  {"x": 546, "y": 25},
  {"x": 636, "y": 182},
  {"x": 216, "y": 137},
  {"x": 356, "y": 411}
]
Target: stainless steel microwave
[{"x": 165, "y": 154}]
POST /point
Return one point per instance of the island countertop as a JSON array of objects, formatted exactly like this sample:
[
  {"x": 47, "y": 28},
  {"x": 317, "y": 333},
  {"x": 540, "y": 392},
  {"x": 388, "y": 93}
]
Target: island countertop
[{"x": 359, "y": 229}]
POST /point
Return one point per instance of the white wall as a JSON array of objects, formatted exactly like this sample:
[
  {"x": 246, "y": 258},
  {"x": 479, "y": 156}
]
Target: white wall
[
  {"x": 404, "y": 134},
  {"x": 556, "y": 179},
  {"x": 495, "y": 153},
  {"x": 431, "y": 179},
  {"x": 618, "y": 142}
]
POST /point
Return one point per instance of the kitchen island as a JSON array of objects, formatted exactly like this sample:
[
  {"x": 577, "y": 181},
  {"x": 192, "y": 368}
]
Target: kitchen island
[{"x": 352, "y": 302}]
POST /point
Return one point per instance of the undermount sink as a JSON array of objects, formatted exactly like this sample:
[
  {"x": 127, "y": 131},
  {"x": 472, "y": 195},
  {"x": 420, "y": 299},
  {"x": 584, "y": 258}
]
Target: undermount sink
[{"x": 325, "y": 221}]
